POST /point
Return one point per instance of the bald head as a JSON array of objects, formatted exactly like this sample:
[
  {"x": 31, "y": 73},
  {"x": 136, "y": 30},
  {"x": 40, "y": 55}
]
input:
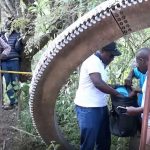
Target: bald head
[
  {"x": 142, "y": 59},
  {"x": 143, "y": 53}
]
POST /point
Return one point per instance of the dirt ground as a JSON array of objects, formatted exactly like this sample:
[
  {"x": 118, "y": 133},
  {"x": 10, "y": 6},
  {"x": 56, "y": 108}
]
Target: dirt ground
[{"x": 10, "y": 137}]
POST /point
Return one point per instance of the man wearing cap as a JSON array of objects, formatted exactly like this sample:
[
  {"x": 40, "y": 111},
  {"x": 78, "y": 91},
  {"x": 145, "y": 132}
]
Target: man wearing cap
[{"x": 91, "y": 100}]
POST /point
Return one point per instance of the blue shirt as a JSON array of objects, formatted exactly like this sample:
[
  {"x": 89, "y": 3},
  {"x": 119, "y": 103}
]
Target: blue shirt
[
  {"x": 122, "y": 90},
  {"x": 139, "y": 75}
]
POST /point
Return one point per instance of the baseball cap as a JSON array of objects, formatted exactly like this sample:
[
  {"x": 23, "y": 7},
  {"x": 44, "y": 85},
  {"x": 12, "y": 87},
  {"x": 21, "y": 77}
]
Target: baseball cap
[{"x": 112, "y": 48}]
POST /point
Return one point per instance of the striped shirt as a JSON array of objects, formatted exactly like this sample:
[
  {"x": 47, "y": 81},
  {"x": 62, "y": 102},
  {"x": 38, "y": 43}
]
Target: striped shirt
[{"x": 4, "y": 47}]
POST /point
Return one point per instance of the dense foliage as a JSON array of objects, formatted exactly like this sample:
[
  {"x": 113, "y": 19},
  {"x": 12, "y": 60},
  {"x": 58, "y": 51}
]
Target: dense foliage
[{"x": 52, "y": 17}]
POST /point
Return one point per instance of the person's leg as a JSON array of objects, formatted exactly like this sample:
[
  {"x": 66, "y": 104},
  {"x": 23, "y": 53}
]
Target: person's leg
[
  {"x": 84, "y": 116},
  {"x": 13, "y": 66},
  {"x": 6, "y": 75},
  {"x": 103, "y": 141},
  {"x": 8, "y": 82},
  {"x": 89, "y": 120}
]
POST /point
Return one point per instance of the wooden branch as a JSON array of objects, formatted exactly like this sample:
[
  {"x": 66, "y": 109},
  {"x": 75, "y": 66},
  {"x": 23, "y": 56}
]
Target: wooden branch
[
  {"x": 43, "y": 40},
  {"x": 146, "y": 40},
  {"x": 24, "y": 132}
]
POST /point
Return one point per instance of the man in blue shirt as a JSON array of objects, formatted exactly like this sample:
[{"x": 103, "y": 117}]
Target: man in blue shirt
[{"x": 140, "y": 75}]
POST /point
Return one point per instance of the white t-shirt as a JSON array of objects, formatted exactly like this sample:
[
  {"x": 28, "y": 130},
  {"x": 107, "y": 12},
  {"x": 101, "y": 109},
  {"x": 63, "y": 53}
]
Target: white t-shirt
[
  {"x": 143, "y": 99},
  {"x": 87, "y": 94}
]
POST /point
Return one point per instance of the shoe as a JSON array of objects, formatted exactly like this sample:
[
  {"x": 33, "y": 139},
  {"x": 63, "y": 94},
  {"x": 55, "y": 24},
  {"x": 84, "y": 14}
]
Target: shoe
[{"x": 8, "y": 106}]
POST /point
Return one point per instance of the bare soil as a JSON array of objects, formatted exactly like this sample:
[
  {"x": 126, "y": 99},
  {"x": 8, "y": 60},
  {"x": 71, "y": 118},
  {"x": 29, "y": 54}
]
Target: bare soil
[{"x": 10, "y": 136}]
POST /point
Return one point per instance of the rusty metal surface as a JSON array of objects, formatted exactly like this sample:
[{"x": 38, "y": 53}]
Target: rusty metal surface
[
  {"x": 104, "y": 24},
  {"x": 145, "y": 113}
]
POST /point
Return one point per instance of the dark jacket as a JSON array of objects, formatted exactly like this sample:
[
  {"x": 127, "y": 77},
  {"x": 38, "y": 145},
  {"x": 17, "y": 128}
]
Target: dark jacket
[{"x": 15, "y": 42}]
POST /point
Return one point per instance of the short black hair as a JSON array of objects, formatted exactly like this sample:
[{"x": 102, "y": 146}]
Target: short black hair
[{"x": 112, "y": 48}]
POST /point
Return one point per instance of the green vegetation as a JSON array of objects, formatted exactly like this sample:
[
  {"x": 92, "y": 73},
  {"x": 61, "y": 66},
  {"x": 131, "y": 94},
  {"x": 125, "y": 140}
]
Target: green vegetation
[{"x": 53, "y": 17}]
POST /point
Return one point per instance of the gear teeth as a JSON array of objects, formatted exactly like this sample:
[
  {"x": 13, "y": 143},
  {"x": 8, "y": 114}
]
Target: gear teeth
[
  {"x": 51, "y": 53},
  {"x": 65, "y": 41},
  {"x": 42, "y": 69},
  {"x": 58, "y": 47},
  {"x": 80, "y": 29},
  {"x": 129, "y": 3},
  {"x": 84, "y": 26},
  {"x": 93, "y": 21},
  {"x": 88, "y": 24},
  {"x": 56, "y": 50},
  {"x": 135, "y": 2},
  {"x": 118, "y": 7},
  {"x": 76, "y": 32},
  {"x": 97, "y": 18},
  {"x": 69, "y": 38},
  {"x": 123, "y": 4},
  {"x": 51, "y": 56},
  {"x": 61, "y": 44},
  {"x": 102, "y": 16},
  {"x": 107, "y": 12},
  {"x": 72, "y": 35}
]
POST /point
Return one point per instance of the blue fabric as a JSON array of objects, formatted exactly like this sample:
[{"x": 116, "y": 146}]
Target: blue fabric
[
  {"x": 139, "y": 75},
  {"x": 94, "y": 128},
  {"x": 11, "y": 65},
  {"x": 123, "y": 91}
]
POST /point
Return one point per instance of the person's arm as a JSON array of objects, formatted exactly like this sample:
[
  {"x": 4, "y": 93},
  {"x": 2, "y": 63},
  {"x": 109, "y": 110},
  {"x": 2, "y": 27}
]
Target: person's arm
[
  {"x": 103, "y": 86},
  {"x": 6, "y": 49},
  {"x": 128, "y": 80},
  {"x": 132, "y": 111}
]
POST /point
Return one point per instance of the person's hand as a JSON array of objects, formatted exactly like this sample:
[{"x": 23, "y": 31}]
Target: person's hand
[
  {"x": 137, "y": 90},
  {"x": 128, "y": 82},
  {"x": 2, "y": 56},
  {"x": 132, "y": 111},
  {"x": 120, "y": 95},
  {"x": 132, "y": 94}
]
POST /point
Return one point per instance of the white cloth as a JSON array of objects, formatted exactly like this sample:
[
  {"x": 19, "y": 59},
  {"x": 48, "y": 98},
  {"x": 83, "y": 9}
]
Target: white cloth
[
  {"x": 87, "y": 94},
  {"x": 143, "y": 99},
  {"x": 4, "y": 47}
]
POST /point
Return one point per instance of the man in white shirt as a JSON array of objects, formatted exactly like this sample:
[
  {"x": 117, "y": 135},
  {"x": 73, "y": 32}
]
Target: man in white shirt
[{"x": 91, "y": 100}]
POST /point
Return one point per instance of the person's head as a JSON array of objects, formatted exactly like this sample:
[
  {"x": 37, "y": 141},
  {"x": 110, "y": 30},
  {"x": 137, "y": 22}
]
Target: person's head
[
  {"x": 8, "y": 23},
  {"x": 108, "y": 53},
  {"x": 142, "y": 58}
]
